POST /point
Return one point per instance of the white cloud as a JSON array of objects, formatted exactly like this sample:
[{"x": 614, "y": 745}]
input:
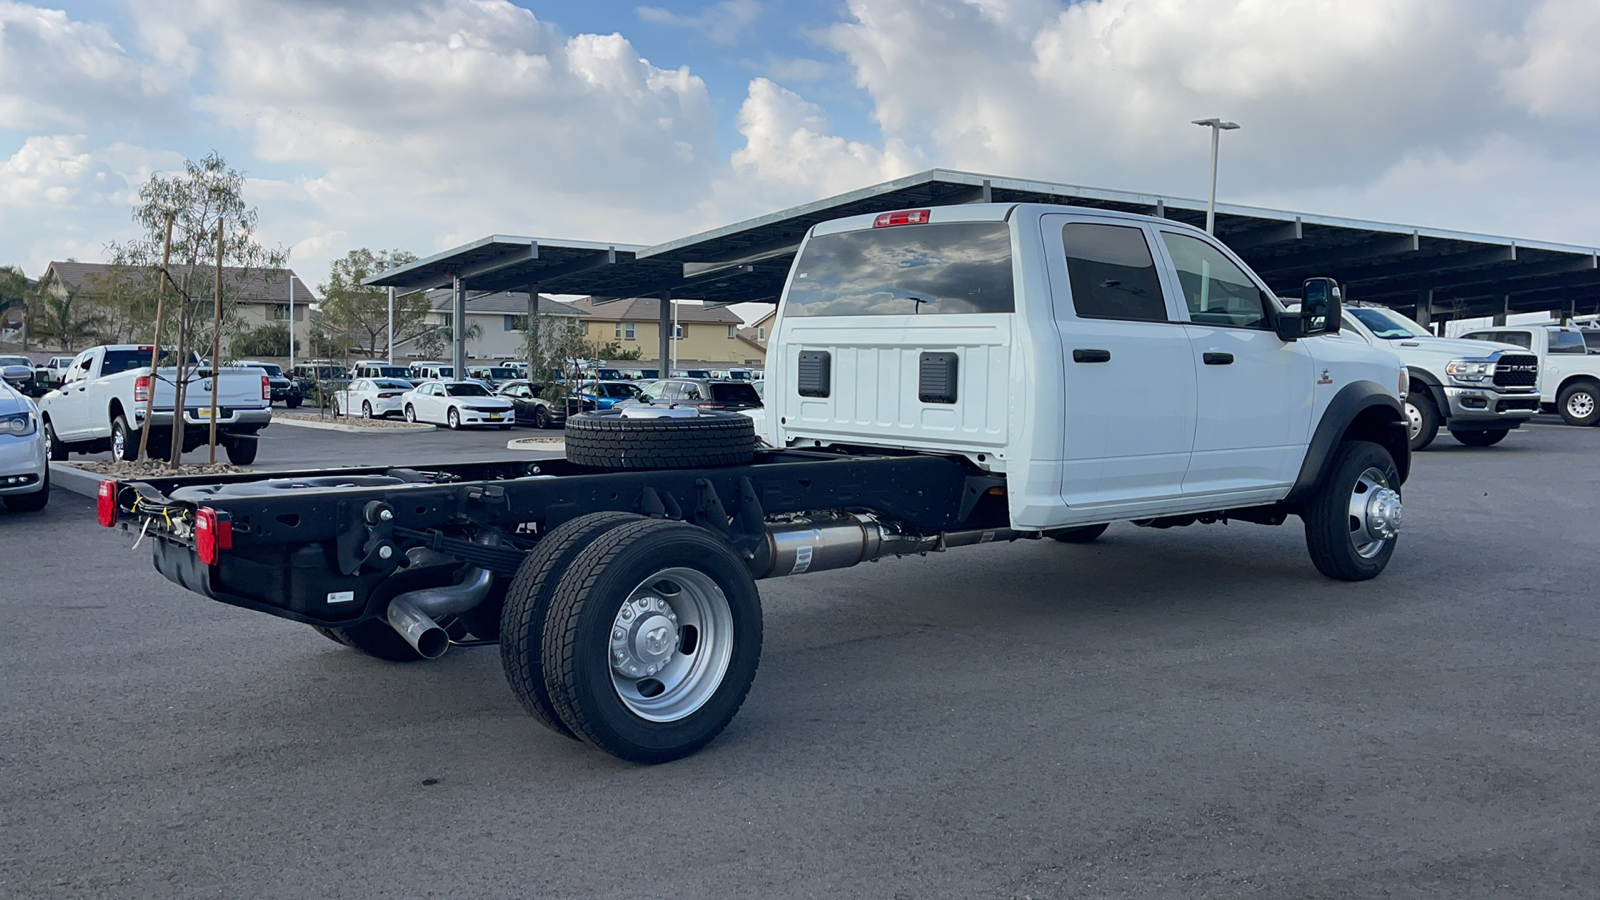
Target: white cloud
[
  {"x": 58, "y": 73},
  {"x": 722, "y": 23},
  {"x": 1559, "y": 76},
  {"x": 789, "y": 147}
]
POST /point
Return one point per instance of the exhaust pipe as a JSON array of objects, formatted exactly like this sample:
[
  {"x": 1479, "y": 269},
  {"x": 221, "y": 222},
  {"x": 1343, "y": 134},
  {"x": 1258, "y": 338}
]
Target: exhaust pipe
[
  {"x": 819, "y": 543},
  {"x": 412, "y": 614}
]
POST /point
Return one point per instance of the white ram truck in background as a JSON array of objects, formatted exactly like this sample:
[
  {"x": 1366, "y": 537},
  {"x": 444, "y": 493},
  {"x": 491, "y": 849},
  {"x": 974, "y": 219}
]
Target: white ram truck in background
[
  {"x": 1570, "y": 384},
  {"x": 101, "y": 406}
]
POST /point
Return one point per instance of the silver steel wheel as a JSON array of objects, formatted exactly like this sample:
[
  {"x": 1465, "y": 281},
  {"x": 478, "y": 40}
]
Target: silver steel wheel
[
  {"x": 1375, "y": 513},
  {"x": 1413, "y": 421},
  {"x": 670, "y": 644},
  {"x": 1580, "y": 405},
  {"x": 366, "y": 409},
  {"x": 119, "y": 443}
]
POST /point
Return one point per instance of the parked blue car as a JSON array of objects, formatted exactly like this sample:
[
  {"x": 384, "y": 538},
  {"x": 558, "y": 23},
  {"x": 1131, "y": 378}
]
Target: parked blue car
[{"x": 607, "y": 393}]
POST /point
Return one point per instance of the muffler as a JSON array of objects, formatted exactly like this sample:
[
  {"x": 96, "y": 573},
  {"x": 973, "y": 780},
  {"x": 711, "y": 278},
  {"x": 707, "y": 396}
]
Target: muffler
[
  {"x": 412, "y": 614},
  {"x": 842, "y": 540}
]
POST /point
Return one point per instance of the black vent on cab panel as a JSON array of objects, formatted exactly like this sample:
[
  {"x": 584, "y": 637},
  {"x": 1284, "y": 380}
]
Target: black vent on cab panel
[
  {"x": 815, "y": 379},
  {"x": 936, "y": 378}
]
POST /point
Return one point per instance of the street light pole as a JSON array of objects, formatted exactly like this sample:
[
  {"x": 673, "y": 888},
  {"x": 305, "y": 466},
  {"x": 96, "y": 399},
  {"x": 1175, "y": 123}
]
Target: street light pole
[{"x": 1217, "y": 127}]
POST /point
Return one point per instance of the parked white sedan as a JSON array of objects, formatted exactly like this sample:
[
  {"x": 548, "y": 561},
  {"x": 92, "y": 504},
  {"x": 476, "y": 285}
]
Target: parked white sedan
[
  {"x": 372, "y": 398},
  {"x": 457, "y": 404}
]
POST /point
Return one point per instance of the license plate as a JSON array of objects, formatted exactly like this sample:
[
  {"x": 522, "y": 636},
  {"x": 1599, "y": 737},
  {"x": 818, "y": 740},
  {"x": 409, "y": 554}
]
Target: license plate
[
  {"x": 203, "y": 412},
  {"x": 494, "y": 417}
]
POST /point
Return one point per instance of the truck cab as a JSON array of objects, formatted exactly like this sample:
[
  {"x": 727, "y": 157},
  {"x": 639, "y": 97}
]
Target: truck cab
[{"x": 1110, "y": 366}]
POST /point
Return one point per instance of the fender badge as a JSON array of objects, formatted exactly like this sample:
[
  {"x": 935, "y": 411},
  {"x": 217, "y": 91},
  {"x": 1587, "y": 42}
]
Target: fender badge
[{"x": 1326, "y": 378}]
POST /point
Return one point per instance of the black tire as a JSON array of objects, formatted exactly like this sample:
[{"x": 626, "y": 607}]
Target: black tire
[
  {"x": 1083, "y": 534},
  {"x": 336, "y": 411},
  {"x": 605, "y": 440},
  {"x": 578, "y": 633},
  {"x": 366, "y": 409},
  {"x": 1575, "y": 399},
  {"x": 375, "y": 638},
  {"x": 1329, "y": 535},
  {"x": 528, "y": 603},
  {"x": 454, "y": 418},
  {"x": 292, "y": 402},
  {"x": 241, "y": 449},
  {"x": 1480, "y": 438},
  {"x": 54, "y": 448},
  {"x": 124, "y": 440},
  {"x": 411, "y": 413},
  {"x": 541, "y": 419},
  {"x": 31, "y": 502},
  {"x": 1422, "y": 418}
]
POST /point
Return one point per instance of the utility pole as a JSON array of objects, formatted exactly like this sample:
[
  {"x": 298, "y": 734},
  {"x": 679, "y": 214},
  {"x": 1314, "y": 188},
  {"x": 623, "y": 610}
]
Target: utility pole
[
  {"x": 1217, "y": 126},
  {"x": 291, "y": 323}
]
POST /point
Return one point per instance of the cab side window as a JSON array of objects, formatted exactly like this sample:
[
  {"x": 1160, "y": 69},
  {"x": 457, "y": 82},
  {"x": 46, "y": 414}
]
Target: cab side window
[
  {"x": 1567, "y": 342},
  {"x": 1112, "y": 273},
  {"x": 1216, "y": 291}
]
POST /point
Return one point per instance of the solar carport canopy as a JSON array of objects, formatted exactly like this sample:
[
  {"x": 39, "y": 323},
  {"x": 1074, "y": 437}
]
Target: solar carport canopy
[{"x": 1430, "y": 272}]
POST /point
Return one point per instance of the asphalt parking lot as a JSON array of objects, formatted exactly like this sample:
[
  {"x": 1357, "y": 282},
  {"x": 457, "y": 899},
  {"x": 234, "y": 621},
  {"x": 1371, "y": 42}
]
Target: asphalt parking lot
[{"x": 1193, "y": 712}]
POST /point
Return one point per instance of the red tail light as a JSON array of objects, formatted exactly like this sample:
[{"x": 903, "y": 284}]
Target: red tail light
[
  {"x": 141, "y": 389},
  {"x": 903, "y": 217},
  {"x": 105, "y": 503},
  {"x": 213, "y": 533},
  {"x": 266, "y": 388}
]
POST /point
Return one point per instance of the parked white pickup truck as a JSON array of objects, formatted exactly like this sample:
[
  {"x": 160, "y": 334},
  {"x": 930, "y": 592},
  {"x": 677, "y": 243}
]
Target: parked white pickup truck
[
  {"x": 1571, "y": 374},
  {"x": 101, "y": 406},
  {"x": 1478, "y": 392}
]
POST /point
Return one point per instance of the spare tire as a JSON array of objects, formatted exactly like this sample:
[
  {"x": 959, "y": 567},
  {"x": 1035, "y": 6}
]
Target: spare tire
[{"x": 607, "y": 440}]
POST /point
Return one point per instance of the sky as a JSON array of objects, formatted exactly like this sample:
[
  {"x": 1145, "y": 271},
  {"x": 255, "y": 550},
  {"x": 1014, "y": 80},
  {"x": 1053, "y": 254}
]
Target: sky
[{"x": 423, "y": 124}]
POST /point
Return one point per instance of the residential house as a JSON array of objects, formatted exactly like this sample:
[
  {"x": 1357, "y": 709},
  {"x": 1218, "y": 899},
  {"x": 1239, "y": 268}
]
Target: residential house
[
  {"x": 259, "y": 296},
  {"x": 499, "y": 317},
  {"x": 703, "y": 335}
]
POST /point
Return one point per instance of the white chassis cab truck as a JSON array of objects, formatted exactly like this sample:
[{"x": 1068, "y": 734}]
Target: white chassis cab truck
[
  {"x": 940, "y": 378},
  {"x": 101, "y": 406},
  {"x": 1570, "y": 384}
]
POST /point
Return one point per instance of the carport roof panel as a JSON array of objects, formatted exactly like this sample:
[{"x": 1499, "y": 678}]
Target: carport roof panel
[{"x": 504, "y": 262}]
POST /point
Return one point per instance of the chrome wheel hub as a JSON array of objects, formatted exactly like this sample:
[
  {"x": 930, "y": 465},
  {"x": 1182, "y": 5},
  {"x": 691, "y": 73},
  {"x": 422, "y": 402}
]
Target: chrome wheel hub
[
  {"x": 1413, "y": 420},
  {"x": 1580, "y": 405},
  {"x": 644, "y": 637},
  {"x": 1375, "y": 513},
  {"x": 670, "y": 644}
]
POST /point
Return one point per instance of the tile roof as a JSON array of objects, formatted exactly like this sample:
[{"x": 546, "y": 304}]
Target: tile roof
[
  {"x": 648, "y": 309},
  {"x": 259, "y": 286}
]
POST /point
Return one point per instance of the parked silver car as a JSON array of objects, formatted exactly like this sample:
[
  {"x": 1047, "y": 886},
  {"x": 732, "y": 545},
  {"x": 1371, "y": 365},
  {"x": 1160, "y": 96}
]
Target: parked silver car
[{"x": 24, "y": 468}]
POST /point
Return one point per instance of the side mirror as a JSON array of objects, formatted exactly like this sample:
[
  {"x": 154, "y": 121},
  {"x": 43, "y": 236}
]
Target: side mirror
[{"x": 1320, "y": 307}]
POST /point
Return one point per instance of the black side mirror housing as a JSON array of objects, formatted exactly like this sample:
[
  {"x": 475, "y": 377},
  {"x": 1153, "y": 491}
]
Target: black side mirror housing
[{"x": 1321, "y": 308}]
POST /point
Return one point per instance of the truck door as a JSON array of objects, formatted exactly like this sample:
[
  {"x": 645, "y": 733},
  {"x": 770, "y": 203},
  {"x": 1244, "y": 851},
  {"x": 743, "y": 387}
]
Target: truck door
[
  {"x": 69, "y": 412},
  {"x": 1130, "y": 382},
  {"x": 1255, "y": 389}
]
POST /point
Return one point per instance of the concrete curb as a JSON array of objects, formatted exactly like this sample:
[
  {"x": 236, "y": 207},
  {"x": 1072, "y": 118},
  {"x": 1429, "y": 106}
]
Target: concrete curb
[
  {"x": 547, "y": 445},
  {"x": 74, "y": 479},
  {"x": 351, "y": 429}
]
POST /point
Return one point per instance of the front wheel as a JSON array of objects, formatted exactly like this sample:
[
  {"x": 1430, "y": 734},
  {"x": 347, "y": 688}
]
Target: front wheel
[
  {"x": 1480, "y": 438},
  {"x": 454, "y": 418},
  {"x": 411, "y": 413},
  {"x": 1577, "y": 403},
  {"x": 336, "y": 411},
  {"x": 53, "y": 447},
  {"x": 1422, "y": 419},
  {"x": 1353, "y": 519},
  {"x": 652, "y": 640},
  {"x": 292, "y": 402}
]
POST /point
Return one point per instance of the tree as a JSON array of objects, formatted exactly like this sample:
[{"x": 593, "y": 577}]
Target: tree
[
  {"x": 435, "y": 342},
  {"x": 206, "y": 197},
  {"x": 63, "y": 319},
  {"x": 361, "y": 313},
  {"x": 271, "y": 339},
  {"x": 15, "y": 292}
]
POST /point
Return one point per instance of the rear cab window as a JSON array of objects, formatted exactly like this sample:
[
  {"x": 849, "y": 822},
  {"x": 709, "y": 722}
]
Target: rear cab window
[
  {"x": 1567, "y": 342},
  {"x": 948, "y": 268}
]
